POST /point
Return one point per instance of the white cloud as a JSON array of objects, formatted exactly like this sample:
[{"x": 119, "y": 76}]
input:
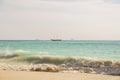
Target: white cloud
[{"x": 113, "y": 1}]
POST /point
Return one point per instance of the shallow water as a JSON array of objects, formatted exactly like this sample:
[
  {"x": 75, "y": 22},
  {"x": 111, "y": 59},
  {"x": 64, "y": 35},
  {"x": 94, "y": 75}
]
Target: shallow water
[{"x": 83, "y": 48}]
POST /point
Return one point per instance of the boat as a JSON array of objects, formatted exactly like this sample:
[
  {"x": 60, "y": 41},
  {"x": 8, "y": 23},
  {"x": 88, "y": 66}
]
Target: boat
[{"x": 56, "y": 39}]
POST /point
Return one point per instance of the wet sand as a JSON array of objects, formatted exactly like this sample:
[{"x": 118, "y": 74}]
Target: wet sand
[{"x": 24, "y": 75}]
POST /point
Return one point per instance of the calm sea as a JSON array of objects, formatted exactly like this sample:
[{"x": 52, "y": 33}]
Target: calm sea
[{"x": 81, "y": 48}]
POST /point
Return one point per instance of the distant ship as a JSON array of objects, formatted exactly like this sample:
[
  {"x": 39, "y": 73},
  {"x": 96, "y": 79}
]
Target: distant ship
[{"x": 56, "y": 39}]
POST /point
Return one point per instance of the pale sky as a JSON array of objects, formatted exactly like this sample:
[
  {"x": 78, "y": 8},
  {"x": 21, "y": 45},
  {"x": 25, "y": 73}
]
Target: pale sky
[{"x": 43, "y": 19}]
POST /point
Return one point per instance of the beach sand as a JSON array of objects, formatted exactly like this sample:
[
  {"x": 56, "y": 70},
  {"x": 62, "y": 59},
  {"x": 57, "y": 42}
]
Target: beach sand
[{"x": 24, "y": 75}]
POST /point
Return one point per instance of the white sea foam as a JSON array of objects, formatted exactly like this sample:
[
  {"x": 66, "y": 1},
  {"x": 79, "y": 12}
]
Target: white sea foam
[
  {"x": 43, "y": 53},
  {"x": 21, "y": 51}
]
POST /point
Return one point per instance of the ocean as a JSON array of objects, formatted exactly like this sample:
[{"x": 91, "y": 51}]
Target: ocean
[
  {"x": 93, "y": 56},
  {"x": 80, "y": 48}
]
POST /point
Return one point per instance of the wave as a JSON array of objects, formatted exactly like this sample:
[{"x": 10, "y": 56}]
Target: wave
[
  {"x": 14, "y": 53},
  {"x": 85, "y": 65},
  {"x": 8, "y": 55}
]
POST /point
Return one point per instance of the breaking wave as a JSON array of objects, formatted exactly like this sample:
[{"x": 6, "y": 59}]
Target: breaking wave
[
  {"x": 12, "y": 54},
  {"x": 85, "y": 65}
]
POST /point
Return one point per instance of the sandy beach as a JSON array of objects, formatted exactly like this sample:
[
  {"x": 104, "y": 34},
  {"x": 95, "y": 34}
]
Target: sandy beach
[{"x": 23, "y": 75}]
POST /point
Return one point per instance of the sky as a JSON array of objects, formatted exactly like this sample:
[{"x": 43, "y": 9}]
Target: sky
[{"x": 65, "y": 19}]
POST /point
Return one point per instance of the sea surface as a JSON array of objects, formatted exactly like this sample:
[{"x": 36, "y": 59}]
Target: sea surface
[
  {"x": 97, "y": 49},
  {"x": 85, "y": 56}
]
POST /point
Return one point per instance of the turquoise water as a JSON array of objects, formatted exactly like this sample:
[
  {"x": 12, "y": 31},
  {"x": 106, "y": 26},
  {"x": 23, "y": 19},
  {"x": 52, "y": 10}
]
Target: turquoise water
[{"x": 82, "y": 48}]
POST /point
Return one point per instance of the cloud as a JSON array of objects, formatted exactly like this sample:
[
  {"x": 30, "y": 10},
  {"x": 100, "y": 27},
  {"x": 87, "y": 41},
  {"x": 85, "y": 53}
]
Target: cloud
[
  {"x": 113, "y": 1},
  {"x": 51, "y": 5},
  {"x": 82, "y": 7},
  {"x": 85, "y": 18}
]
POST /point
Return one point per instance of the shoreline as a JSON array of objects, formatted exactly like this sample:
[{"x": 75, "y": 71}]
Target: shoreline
[
  {"x": 60, "y": 68},
  {"x": 23, "y": 75}
]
